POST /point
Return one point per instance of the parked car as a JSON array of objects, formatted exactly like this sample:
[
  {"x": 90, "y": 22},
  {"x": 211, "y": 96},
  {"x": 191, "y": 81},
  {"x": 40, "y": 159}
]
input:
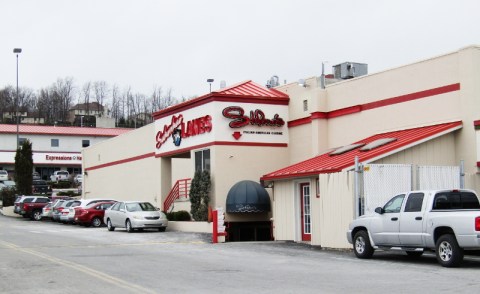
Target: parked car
[
  {"x": 60, "y": 175},
  {"x": 70, "y": 217},
  {"x": 41, "y": 187},
  {"x": 19, "y": 201},
  {"x": 78, "y": 179},
  {"x": 32, "y": 207},
  {"x": 47, "y": 210},
  {"x": 444, "y": 221},
  {"x": 9, "y": 184},
  {"x": 92, "y": 215},
  {"x": 3, "y": 175},
  {"x": 58, "y": 209},
  {"x": 67, "y": 214},
  {"x": 133, "y": 215},
  {"x": 36, "y": 176}
]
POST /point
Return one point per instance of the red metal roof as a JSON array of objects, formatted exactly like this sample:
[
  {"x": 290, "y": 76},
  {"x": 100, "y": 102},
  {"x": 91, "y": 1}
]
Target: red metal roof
[
  {"x": 247, "y": 92},
  {"x": 65, "y": 131},
  {"x": 327, "y": 163},
  {"x": 250, "y": 88}
]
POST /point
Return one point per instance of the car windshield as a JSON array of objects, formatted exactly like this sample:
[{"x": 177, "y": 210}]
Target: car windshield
[
  {"x": 39, "y": 183},
  {"x": 140, "y": 206}
]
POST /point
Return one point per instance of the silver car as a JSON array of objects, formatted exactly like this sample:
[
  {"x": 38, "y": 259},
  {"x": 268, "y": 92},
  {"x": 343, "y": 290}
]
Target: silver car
[{"x": 133, "y": 215}]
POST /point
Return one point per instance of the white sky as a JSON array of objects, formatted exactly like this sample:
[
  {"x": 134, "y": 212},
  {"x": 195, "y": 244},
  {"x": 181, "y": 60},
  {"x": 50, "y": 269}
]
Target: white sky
[{"x": 179, "y": 44}]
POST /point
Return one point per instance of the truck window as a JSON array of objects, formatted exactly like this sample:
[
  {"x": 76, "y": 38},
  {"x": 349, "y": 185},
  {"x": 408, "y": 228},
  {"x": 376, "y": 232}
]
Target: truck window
[
  {"x": 414, "y": 202},
  {"x": 394, "y": 205},
  {"x": 455, "y": 200}
]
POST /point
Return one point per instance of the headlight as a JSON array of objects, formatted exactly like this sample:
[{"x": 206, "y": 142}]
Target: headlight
[{"x": 137, "y": 217}]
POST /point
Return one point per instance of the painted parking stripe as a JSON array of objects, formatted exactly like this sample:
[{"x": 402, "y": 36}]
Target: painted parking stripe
[{"x": 86, "y": 270}]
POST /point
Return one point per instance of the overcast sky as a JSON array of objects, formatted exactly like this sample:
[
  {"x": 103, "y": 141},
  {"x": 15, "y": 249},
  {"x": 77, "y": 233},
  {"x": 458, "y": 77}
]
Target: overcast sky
[{"x": 180, "y": 44}]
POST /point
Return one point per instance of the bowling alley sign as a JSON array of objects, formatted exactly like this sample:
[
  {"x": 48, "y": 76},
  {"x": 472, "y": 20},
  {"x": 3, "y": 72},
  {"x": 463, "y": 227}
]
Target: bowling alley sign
[{"x": 224, "y": 123}]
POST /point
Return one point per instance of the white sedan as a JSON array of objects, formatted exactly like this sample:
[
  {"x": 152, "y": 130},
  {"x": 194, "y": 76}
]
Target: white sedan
[{"x": 133, "y": 215}]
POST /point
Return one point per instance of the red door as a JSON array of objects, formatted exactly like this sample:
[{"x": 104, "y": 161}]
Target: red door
[{"x": 305, "y": 207}]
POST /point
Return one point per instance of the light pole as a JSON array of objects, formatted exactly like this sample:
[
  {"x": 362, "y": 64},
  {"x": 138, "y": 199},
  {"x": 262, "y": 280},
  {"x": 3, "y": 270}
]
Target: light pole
[
  {"x": 210, "y": 81},
  {"x": 17, "y": 51}
]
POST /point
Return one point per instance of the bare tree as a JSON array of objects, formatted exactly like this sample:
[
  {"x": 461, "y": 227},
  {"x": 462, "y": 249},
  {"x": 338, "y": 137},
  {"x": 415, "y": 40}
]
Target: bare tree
[
  {"x": 115, "y": 103},
  {"x": 85, "y": 96},
  {"x": 63, "y": 96},
  {"x": 168, "y": 99},
  {"x": 156, "y": 99},
  {"x": 100, "y": 89},
  {"x": 7, "y": 100},
  {"x": 45, "y": 104}
]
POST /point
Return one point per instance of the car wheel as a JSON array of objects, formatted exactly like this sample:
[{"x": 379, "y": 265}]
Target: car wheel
[
  {"x": 128, "y": 226},
  {"x": 37, "y": 215},
  {"x": 110, "y": 227},
  {"x": 449, "y": 254},
  {"x": 414, "y": 254},
  {"x": 162, "y": 229},
  {"x": 361, "y": 245},
  {"x": 96, "y": 222}
]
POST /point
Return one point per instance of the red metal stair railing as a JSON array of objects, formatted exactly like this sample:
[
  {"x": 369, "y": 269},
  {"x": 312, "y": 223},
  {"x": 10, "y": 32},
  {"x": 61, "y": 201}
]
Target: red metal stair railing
[{"x": 179, "y": 190}]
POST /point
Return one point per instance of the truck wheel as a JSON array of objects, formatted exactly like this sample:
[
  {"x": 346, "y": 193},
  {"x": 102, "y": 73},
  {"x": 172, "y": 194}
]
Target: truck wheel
[
  {"x": 110, "y": 227},
  {"x": 361, "y": 245},
  {"x": 128, "y": 226},
  {"x": 449, "y": 254},
  {"x": 96, "y": 222},
  {"x": 37, "y": 215}
]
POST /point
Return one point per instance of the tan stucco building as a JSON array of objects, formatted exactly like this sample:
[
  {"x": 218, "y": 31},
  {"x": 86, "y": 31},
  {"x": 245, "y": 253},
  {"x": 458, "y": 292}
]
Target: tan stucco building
[{"x": 423, "y": 114}]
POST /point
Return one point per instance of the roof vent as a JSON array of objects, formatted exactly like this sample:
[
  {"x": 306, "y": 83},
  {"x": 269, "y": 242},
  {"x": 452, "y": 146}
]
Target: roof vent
[
  {"x": 273, "y": 82},
  {"x": 345, "y": 149},
  {"x": 377, "y": 143},
  {"x": 348, "y": 70}
]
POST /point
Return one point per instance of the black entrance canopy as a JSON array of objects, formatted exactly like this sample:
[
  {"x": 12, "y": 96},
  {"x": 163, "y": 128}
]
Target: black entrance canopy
[{"x": 248, "y": 196}]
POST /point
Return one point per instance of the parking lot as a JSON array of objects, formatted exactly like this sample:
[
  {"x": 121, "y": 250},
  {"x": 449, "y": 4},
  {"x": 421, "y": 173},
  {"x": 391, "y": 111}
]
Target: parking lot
[{"x": 47, "y": 257}]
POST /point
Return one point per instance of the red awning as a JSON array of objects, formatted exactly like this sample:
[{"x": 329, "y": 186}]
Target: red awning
[{"x": 329, "y": 163}]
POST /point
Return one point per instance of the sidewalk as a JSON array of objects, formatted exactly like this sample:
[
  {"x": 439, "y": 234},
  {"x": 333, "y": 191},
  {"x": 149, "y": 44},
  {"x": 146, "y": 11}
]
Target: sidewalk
[{"x": 8, "y": 211}]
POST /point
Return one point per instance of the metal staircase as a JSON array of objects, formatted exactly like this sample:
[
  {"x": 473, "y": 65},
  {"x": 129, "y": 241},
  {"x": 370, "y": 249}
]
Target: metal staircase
[{"x": 180, "y": 190}]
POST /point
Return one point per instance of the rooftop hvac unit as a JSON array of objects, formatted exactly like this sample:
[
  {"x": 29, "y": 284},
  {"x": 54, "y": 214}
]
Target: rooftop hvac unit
[{"x": 348, "y": 70}]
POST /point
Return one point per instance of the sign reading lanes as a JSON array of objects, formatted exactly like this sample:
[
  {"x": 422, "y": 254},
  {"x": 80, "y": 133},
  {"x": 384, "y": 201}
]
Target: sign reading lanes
[{"x": 245, "y": 123}]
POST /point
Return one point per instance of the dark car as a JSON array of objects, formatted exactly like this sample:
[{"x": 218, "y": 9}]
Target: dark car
[
  {"x": 92, "y": 215},
  {"x": 41, "y": 187}
]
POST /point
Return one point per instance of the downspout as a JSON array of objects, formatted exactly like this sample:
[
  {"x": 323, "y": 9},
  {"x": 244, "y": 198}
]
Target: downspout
[{"x": 356, "y": 187}]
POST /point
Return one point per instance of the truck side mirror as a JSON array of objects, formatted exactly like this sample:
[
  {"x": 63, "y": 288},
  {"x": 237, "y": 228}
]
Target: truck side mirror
[{"x": 379, "y": 210}]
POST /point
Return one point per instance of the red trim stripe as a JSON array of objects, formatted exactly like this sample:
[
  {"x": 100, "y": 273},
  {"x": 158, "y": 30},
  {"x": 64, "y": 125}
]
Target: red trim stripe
[
  {"x": 139, "y": 157},
  {"x": 179, "y": 151},
  {"x": 376, "y": 104},
  {"x": 412, "y": 96},
  {"x": 220, "y": 143}
]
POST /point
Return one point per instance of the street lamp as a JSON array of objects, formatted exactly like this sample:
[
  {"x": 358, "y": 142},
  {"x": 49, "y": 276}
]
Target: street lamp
[
  {"x": 17, "y": 51},
  {"x": 210, "y": 81}
]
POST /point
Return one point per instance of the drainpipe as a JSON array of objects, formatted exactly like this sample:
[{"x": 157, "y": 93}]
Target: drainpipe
[
  {"x": 462, "y": 174},
  {"x": 356, "y": 187}
]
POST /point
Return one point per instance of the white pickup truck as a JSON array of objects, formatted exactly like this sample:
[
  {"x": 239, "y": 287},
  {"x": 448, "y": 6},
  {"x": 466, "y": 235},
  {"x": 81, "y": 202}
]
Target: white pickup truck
[
  {"x": 446, "y": 221},
  {"x": 60, "y": 175}
]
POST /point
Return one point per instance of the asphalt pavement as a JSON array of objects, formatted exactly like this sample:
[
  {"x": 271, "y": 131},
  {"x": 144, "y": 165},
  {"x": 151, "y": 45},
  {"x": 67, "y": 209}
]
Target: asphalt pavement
[{"x": 47, "y": 257}]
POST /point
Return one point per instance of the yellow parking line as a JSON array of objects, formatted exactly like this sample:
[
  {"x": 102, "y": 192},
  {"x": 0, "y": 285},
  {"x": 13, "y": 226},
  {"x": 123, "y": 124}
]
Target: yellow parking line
[{"x": 86, "y": 270}]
